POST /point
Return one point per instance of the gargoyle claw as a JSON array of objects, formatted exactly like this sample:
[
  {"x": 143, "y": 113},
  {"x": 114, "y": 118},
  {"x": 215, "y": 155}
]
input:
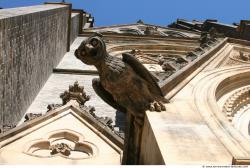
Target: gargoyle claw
[{"x": 157, "y": 106}]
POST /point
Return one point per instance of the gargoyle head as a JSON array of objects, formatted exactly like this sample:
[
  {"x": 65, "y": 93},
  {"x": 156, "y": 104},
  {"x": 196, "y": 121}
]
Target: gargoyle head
[{"x": 92, "y": 50}]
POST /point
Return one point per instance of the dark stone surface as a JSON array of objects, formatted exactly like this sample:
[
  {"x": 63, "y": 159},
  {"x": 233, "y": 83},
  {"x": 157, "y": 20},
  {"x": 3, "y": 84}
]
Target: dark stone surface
[{"x": 32, "y": 42}]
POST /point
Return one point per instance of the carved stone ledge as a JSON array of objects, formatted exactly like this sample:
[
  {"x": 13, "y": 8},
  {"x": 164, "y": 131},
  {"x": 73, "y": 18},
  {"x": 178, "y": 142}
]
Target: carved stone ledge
[
  {"x": 191, "y": 56},
  {"x": 175, "y": 34},
  {"x": 206, "y": 44},
  {"x": 241, "y": 161}
]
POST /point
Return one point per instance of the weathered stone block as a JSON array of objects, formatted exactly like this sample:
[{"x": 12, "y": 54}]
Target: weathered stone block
[
  {"x": 32, "y": 42},
  {"x": 74, "y": 30}
]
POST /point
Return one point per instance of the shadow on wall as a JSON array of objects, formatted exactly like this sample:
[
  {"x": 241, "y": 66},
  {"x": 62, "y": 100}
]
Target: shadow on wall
[{"x": 120, "y": 121}]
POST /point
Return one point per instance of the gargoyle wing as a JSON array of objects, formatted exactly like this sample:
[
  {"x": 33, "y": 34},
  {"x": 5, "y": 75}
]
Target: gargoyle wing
[
  {"x": 143, "y": 72},
  {"x": 106, "y": 96}
]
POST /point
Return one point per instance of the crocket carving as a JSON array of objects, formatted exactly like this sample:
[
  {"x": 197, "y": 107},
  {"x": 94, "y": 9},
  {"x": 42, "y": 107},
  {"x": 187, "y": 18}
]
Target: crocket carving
[{"x": 124, "y": 83}]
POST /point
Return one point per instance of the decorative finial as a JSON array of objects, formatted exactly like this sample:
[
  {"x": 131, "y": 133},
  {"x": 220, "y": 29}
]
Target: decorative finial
[{"x": 75, "y": 92}]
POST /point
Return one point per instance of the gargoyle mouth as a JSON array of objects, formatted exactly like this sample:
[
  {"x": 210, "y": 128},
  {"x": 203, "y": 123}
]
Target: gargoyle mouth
[
  {"x": 76, "y": 54},
  {"x": 90, "y": 49}
]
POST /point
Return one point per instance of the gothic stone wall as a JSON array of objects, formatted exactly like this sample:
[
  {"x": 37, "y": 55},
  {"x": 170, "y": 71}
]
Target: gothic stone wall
[
  {"x": 32, "y": 41},
  {"x": 74, "y": 30}
]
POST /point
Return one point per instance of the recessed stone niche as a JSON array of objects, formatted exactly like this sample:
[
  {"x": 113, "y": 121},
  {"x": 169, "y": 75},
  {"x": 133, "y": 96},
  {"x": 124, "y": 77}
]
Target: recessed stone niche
[{"x": 64, "y": 143}]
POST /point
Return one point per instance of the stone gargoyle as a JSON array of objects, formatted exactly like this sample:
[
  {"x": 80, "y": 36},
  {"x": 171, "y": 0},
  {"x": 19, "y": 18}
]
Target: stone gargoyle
[{"x": 125, "y": 83}]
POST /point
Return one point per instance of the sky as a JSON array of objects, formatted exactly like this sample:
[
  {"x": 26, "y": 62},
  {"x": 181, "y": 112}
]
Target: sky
[{"x": 159, "y": 12}]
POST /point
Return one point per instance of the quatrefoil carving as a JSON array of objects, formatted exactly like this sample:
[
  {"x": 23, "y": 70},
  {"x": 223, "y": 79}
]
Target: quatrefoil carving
[{"x": 65, "y": 143}]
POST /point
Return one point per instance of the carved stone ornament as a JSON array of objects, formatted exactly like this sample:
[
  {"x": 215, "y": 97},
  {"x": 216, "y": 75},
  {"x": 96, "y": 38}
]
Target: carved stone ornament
[
  {"x": 31, "y": 116},
  {"x": 63, "y": 143},
  {"x": 145, "y": 58},
  {"x": 243, "y": 56},
  {"x": 75, "y": 92},
  {"x": 106, "y": 121},
  {"x": 238, "y": 57},
  {"x": 125, "y": 83},
  {"x": 61, "y": 148},
  {"x": 208, "y": 39},
  {"x": 53, "y": 106},
  {"x": 236, "y": 102}
]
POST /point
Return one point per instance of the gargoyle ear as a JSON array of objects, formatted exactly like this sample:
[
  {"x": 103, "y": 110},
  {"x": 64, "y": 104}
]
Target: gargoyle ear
[{"x": 98, "y": 34}]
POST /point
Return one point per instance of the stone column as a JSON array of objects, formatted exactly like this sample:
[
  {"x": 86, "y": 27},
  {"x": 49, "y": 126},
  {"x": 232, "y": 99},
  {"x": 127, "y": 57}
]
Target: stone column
[{"x": 132, "y": 142}]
